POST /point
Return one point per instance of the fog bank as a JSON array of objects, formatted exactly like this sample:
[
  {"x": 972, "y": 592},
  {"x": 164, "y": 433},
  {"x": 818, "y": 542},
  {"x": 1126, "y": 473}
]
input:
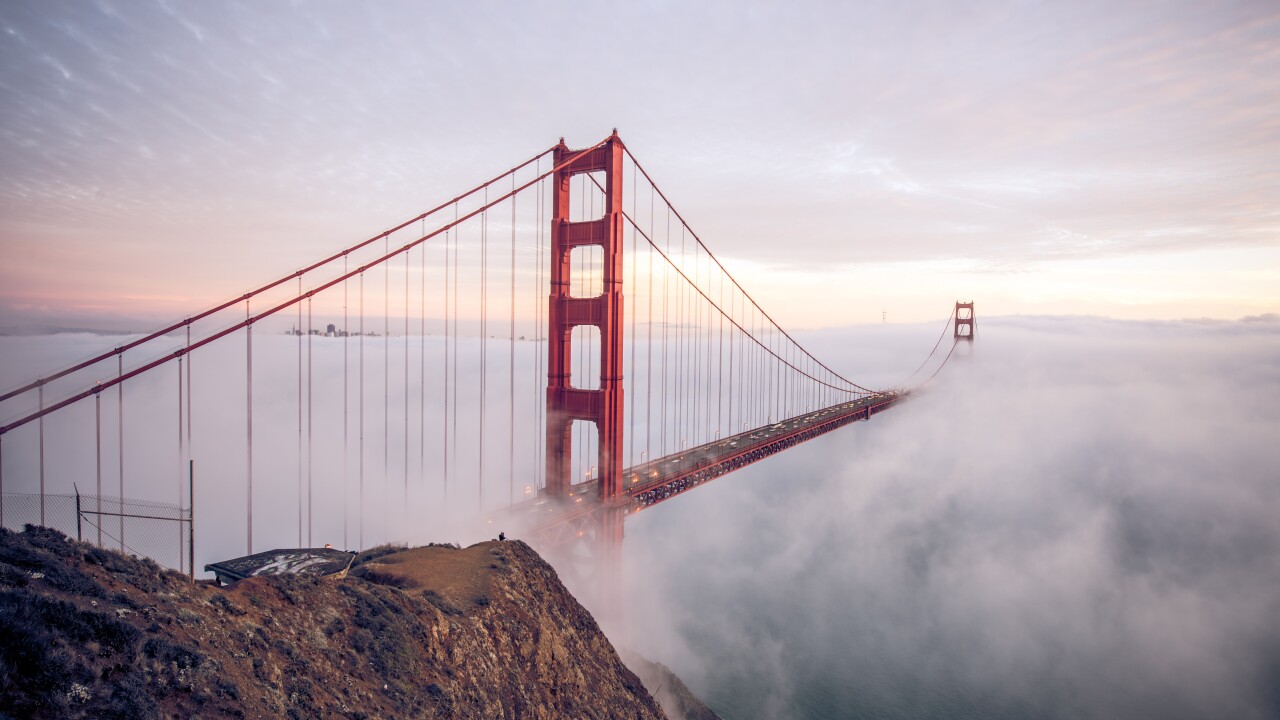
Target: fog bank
[{"x": 1080, "y": 520}]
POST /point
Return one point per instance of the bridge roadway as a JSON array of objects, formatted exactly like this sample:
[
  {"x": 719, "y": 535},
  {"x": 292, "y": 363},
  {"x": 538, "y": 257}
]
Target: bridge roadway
[{"x": 551, "y": 520}]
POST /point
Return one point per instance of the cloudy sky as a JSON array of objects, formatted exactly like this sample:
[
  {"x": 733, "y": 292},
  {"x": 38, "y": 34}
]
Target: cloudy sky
[{"x": 1082, "y": 158}]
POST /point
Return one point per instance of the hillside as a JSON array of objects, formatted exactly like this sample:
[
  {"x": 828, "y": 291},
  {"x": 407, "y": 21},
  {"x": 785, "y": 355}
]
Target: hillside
[
  {"x": 438, "y": 632},
  {"x": 668, "y": 689}
]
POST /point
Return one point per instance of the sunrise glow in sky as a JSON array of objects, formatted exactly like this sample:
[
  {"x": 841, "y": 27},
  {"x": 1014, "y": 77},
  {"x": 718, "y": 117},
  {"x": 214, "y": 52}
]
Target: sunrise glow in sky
[{"x": 1042, "y": 158}]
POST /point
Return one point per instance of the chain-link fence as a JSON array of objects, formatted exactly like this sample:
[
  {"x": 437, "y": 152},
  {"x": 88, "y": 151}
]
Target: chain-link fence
[{"x": 160, "y": 531}]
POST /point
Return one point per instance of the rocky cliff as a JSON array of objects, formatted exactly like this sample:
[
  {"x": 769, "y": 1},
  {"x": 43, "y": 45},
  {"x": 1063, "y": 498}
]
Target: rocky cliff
[
  {"x": 438, "y": 632},
  {"x": 677, "y": 701}
]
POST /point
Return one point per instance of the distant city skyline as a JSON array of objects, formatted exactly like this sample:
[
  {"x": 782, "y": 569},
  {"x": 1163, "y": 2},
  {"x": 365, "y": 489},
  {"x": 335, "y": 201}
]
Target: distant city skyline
[{"x": 1080, "y": 158}]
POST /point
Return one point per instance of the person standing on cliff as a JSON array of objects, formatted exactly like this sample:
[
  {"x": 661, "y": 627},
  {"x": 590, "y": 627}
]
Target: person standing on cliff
[{"x": 502, "y": 536}]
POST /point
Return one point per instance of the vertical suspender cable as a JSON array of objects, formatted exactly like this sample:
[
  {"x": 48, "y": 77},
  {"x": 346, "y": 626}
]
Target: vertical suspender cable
[
  {"x": 346, "y": 423},
  {"x": 744, "y": 367},
  {"x": 788, "y": 377},
  {"x": 421, "y": 358},
  {"x": 720, "y": 365},
  {"x": 766, "y": 368},
  {"x": 540, "y": 289},
  {"x": 457, "y": 242},
  {"x": 119, "y": 406},
  {"x": 766, "y": 374},
  {"x": 737, "y": 360},
  {"x": 773, "y": 364},
  {"x": 97, "y": 424},
  {"x": 762, "y": 365},
  {"x": 40, "y": 395},
  {"x": 706, "y": 335},
  {"x": 760, "y": 389},
  {"x": 537, "y": 318},
  {"x": 360, "y": 391},
  {"x": 695, "y": 356},
  {"x": 539, "y": 425},
  {"x": 180, "y": 464},
  {"x": 631, "y": 369},
  {"x": 248, "y": 342},
  {"x": 749, "y": 371},
  {"x": 769, "y": 370},
  {"x": 444, "y": 390},
  {"x": 681, "y": 371},
  {"x": 386, "y": 383},
  {"x": 733, "y": 358},
  {"x": 753, "y": 392},
  {"x": 404, "y": 508},
  {"x": 662, "y": 397},
  {"x": 695, "y": 318},
  {"x": 484, "y": 340},
  {"x": 777, "y": 371},
  {"x": 445, "y": 422},
  {"x": 310, "y": 420},
  {"x": 710, "y": 320},
  {"x": 760, "y": 392},
  {"x": 752, "y": 389},
  {"x": 648, "y": 366},
  {"x": 697, "y": 308},
  {"x": 580, "y": 442},
  {"x": 298, "y": 333},
  {"x": 707, "y": 390},
  {"x": 190, "y": 450},
  {"x": 511, "y": 427}
]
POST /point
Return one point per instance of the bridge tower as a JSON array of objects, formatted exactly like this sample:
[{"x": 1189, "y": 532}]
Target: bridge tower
[
  {"x": 565, "y": 403},
  {"x": 965, "y": 321}
]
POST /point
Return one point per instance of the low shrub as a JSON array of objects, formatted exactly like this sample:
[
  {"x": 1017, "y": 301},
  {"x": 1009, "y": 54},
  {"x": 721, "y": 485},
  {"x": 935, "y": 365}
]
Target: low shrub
[
  {"x": 376, "y": 552},
  {"x": 379, "y": 577}
]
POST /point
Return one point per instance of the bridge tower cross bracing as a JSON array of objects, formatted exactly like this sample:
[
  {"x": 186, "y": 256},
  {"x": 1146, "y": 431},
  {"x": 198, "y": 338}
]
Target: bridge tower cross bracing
[{"x": 565, "y": 403}]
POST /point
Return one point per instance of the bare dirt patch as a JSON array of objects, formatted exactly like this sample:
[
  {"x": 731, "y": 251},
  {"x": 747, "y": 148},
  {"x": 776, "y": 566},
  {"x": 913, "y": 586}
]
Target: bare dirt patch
[{"x": 460, "y": 576}]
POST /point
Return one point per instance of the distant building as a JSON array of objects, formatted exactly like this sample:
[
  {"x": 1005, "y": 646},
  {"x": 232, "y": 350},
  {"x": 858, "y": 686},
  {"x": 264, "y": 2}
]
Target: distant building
[{"x": 331, "y": 331}]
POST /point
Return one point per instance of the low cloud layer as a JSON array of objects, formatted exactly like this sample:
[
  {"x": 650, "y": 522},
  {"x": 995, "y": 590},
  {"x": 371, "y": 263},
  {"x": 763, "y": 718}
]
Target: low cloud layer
[
  {"x": 1080, "y": 520},
  {"x": 1077, "y": 519}
]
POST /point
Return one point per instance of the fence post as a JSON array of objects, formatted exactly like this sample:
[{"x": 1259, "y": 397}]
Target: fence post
[
  {"x": 191, "y": 519},
  {"x": 79, "y": 536}
]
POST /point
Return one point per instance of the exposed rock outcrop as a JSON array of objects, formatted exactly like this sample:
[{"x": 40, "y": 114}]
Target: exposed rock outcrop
[
  {"x": 483, "y": 632},
  {"x": 668, "y": 689}
]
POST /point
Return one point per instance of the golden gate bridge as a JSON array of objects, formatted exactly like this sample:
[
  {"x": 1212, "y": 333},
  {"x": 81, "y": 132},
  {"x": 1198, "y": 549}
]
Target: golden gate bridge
[{"x": 560, "y": 332}]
